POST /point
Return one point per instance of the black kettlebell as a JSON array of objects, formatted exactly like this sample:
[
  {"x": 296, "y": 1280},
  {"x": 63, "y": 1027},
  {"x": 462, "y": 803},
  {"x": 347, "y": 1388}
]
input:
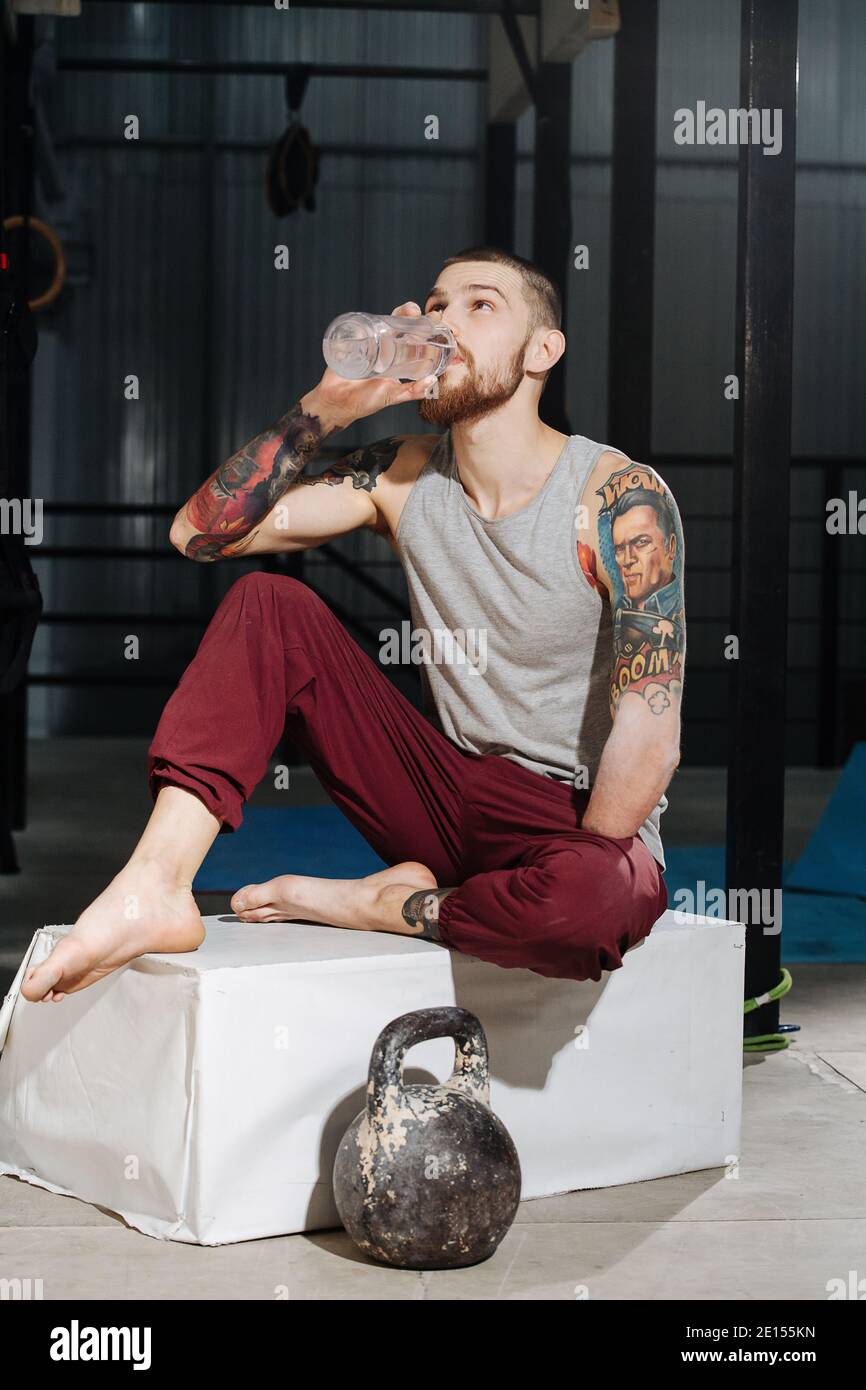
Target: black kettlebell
[{"x": 427, "y": 1177}]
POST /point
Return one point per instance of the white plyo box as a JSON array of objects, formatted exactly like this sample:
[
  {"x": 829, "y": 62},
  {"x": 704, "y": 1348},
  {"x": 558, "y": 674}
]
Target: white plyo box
[{"x": 203, "y": 1096}]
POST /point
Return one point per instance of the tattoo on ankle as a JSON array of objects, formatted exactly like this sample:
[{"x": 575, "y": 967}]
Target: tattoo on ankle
[{"x": 421, "y": 912}]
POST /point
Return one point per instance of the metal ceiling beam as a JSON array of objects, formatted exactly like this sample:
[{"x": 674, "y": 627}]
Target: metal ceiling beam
[
  {"x": 237, "y": 67},
  {"x": 527, "y": 7}
]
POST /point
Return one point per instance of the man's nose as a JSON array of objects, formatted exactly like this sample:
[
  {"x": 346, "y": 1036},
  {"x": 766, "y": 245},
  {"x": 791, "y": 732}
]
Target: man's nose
[{"x": 455, "y": 337}]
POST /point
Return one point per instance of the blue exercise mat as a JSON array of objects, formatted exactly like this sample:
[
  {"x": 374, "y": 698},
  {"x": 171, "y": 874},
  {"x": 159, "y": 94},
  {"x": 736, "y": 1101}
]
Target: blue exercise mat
[
  {"x": 822, "y": 927},
  {"x": 834, "y": 860},
  {"x": 272, "y": 840},
  {"x": 815, "y": 926}
]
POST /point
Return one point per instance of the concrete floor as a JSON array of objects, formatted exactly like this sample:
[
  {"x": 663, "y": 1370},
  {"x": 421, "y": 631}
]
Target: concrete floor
[{"x": 788, "y": 1217}]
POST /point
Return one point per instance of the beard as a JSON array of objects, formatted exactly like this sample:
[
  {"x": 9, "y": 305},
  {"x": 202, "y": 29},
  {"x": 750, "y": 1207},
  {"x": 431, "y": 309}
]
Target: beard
[{"x": 476, "y": 395}]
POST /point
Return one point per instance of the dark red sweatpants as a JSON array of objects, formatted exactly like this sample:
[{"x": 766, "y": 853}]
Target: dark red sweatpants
[{"x": 534, "y": 890}]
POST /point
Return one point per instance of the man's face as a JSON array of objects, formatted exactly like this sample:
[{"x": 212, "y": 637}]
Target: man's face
[
  {"x": 645, "y": 562},
  {"x": 483, "y": 305}
]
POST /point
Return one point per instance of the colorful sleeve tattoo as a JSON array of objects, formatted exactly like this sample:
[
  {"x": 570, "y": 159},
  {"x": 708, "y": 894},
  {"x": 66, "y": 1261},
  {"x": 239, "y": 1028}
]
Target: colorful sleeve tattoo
[
  {"x": 227, "y": 508},
  {"x": 640, "y": 541}
]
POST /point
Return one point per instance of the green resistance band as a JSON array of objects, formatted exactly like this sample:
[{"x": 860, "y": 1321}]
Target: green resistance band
[{"x": 768, "y": 1042}]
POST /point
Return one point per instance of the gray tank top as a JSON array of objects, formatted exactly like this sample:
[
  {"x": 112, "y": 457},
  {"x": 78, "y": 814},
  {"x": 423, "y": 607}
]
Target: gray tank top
[{"x": 515, "y": 646}]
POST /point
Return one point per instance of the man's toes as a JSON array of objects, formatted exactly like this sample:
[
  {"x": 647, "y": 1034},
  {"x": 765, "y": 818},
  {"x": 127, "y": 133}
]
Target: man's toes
[
  {"x": 252, "y": 896},
  {"x": 40, "y": 981},
  {"x": 256, "y": 896}
]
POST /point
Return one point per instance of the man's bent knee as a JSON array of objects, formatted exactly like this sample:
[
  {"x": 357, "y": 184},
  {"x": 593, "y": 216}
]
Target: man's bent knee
[
  {"x": 578, "y": 932},
  {"x": 270, "y": 595},
  {"x": 264, "y": 583}
]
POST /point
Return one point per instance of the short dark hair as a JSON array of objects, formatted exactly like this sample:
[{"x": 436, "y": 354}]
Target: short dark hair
[
  {"x": 643, "y": 497},
  {"x": 541, "y": 294}
]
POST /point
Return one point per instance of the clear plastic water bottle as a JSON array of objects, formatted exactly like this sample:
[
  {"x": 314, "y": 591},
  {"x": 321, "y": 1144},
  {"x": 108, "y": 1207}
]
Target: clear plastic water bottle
[{"x": 359, "y": 345}]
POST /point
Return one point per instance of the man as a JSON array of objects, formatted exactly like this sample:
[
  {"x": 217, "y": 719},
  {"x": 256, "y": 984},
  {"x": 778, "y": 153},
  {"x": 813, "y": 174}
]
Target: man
[{"x": 518, "y": 814}]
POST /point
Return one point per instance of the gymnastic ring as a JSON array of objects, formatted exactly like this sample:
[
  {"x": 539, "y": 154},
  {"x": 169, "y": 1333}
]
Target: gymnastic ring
[{"x": 48, "y": 296}]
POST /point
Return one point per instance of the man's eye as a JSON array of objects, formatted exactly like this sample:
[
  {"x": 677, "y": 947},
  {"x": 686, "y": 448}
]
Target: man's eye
[{"x": 482, "y": 301}]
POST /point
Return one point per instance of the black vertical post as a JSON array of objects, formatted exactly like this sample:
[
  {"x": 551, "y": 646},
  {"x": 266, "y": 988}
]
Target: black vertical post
[
  {"x": 16, "y": 195},
  {"x": 208, "y": 580},
  {"x": 828, "y": 658},
  {"x": 761, "y": 491},
  {"x": 632, "y": 229},
  {"x": 551, "y": 214},
  {"x": 499, "y": 184}
]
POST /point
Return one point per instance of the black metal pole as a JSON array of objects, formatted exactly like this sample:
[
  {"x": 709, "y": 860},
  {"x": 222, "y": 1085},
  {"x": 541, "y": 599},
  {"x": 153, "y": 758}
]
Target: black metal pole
[
  {"x": 208, "y": 581},
  {"x": 500, "y": 178},
  {"x": 240, "y": 68},
  {"x": 632, "y": 229},
  {"x": 828, "y": 668},
  {"x": 761, "y": 488},
  {"x": 8, "y": 857},
  {"x": 551, "y": 214},
  {"x": 16, "y": 155}
]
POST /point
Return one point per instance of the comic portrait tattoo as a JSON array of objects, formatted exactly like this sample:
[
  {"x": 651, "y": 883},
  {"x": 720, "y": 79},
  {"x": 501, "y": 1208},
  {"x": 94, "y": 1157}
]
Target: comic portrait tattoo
[
  {"x": 641, "y": 541},
  {"x": 421, "y": 912}
]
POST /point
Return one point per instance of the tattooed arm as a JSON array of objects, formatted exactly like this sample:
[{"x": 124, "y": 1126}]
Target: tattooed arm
[
  {"x": 243, "y": 508},
  {"x": 252, "y": 503},
  {"x": 630, "y": 546}
]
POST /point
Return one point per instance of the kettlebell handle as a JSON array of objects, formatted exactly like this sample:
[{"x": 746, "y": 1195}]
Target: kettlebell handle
[{"x": 470, "y": 1073}]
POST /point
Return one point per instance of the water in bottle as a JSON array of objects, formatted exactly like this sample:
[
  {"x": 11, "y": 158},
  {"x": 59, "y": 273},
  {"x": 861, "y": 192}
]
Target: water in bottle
[{"x": 359, "y": 345}]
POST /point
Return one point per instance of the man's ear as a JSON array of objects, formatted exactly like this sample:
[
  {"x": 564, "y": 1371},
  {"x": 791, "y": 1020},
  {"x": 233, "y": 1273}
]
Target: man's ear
[{"x": 545, "y": 350}]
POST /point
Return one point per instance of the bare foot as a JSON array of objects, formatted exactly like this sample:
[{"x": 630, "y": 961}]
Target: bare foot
[
  {"x": 363, "y": 903},
  {"x": 141, "y": 910}
]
